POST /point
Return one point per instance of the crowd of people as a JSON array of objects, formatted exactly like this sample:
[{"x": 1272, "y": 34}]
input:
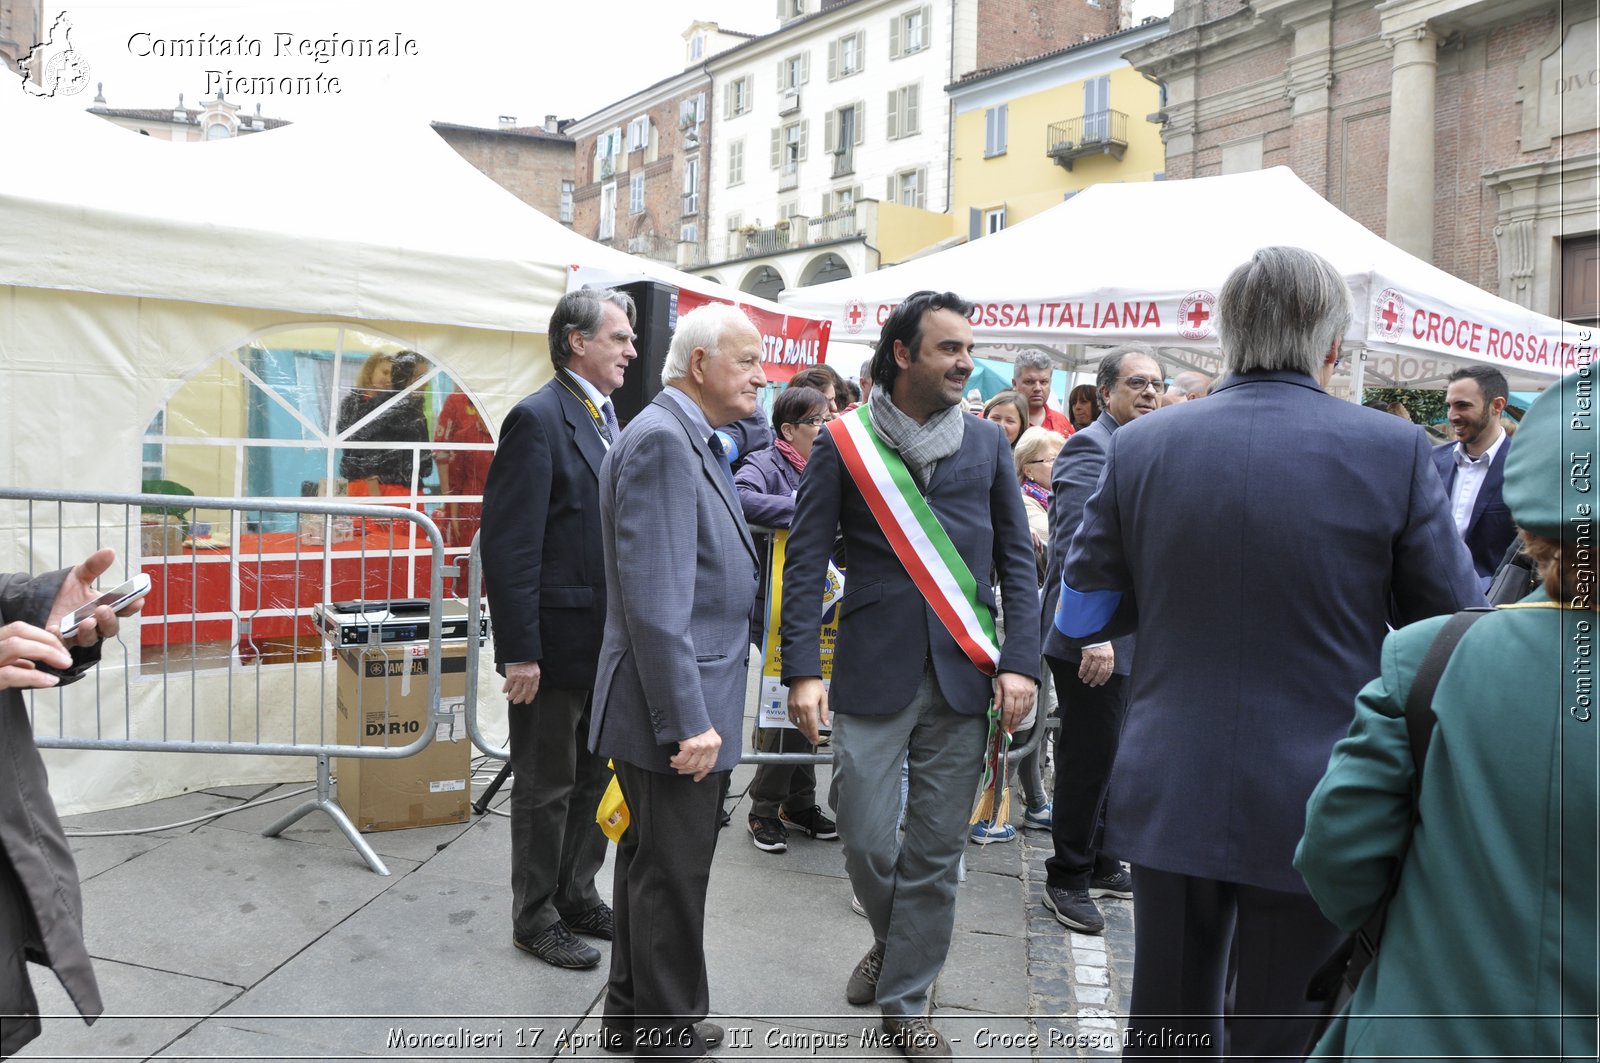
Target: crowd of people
[{"x": 1228, "y": 612}]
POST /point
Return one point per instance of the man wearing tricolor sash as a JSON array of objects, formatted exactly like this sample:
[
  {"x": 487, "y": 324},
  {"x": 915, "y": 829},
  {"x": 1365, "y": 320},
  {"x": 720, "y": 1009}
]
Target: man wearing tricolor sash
[{"x": 926, "y": 500}]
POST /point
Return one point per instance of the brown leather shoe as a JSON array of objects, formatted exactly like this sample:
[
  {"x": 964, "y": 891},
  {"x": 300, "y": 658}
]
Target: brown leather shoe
[{"x": 916, "y": 1038}]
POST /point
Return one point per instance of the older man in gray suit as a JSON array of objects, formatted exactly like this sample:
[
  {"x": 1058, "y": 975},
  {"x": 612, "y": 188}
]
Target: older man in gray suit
[
  {"x": 1090, "y": 679},
  {"x": 681, "y": 576},
  {"x": 1307, "y": 543}
]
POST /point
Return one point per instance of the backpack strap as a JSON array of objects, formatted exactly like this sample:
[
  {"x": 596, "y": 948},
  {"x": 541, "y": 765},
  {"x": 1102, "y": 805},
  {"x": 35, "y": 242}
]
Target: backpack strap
[{"x": 1420, "y": 717}]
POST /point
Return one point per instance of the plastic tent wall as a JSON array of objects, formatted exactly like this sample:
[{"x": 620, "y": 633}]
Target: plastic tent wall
[
  {"x": 1144, "y": 262},
  {"x": 126, "y": 263}
]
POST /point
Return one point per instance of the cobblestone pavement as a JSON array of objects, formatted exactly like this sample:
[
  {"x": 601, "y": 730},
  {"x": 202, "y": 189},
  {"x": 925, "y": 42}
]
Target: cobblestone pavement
[{"x": 1079, "y": 984}]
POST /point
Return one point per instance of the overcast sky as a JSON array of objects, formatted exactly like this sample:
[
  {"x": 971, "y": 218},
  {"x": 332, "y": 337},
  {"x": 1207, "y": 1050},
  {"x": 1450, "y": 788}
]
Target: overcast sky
[{"x": 474, "y": 60}]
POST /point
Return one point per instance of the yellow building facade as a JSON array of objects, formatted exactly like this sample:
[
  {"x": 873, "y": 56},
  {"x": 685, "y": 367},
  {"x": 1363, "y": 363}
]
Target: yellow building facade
[{"x": 1028, "y": 135}]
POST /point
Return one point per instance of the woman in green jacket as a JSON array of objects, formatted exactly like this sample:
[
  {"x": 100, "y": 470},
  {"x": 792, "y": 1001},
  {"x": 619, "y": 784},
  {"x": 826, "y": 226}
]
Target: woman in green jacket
[{"x": 1490, "y": 945}]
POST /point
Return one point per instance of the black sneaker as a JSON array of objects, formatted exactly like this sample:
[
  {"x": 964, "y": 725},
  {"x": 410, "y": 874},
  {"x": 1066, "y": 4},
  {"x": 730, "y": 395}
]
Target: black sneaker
[
  {"x": 596, "y": 922},
  {"x": 812, "y": 821},
  {"x": 863, "y": 985},
  {"x": 559, "y": 947},
  {"x": 1074, "y": 909},
  {"x": 769, "y": 835},
  {"x": 1117, "y": 884}
]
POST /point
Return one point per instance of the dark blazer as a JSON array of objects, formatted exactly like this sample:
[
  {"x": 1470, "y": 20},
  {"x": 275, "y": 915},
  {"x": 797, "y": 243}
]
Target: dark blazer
[
  {"x": 45, "y": 890},
  {"x": 886, "y": 628},
  {"x": 542, "y": 564},
  {"x": 1490, "y": 528},
  {"x": 1259, "y": 537},
  {"x": 1072, "y": 480},
  {"x": 681, "y": 581}
]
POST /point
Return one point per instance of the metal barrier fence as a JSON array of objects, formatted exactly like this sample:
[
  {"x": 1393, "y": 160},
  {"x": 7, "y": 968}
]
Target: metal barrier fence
[
  {"x": 475, "y": 610},
  {"x": 224, "y": 605}
]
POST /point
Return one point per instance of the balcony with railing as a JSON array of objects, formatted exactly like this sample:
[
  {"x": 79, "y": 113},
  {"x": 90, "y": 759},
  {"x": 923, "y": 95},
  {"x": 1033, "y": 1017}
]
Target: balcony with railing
[
  {"x": 1096, "y": 133},
  {"x": 798, "y": 232}
]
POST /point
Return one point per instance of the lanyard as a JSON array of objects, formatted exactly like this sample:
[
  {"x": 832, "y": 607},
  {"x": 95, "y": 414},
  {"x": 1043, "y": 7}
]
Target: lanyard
[{"x": 588, "y": 403}]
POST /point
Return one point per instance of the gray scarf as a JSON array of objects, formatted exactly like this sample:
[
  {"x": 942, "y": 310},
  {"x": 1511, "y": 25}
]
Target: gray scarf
[{"x": 920, "y": 446}]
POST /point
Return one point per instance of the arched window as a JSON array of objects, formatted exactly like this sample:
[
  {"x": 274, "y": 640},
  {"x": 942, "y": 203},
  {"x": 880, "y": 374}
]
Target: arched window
[{"x": 301, "y": 410}]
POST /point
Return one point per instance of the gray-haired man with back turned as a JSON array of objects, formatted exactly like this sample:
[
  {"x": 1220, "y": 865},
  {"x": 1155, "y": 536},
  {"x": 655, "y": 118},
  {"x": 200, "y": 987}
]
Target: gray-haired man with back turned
[{"x": 1309, "y": 540}]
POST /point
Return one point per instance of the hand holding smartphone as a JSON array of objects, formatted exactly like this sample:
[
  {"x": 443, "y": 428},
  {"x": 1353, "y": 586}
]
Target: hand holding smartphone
[{"x": 116, "y": 599}]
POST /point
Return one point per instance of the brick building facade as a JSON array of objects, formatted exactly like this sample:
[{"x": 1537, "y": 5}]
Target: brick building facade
[
  {"x": 643, "y": 172},
  {"x": 1012, "y": 30},
  {"x": 533, "y": 163},
  {"x": 21, "y": 25},
  {"x": 1461, "y": 130}
]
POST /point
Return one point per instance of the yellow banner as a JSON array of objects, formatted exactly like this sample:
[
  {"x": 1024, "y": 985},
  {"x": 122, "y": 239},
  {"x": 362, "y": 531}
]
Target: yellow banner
[{"x": 774, "y": 696}]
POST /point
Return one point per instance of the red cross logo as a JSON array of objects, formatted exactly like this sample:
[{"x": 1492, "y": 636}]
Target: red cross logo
[
  {"x": 854, "y": 314},
  {"x": 1194, "y": 315},
  {"x": 1391, "y": 309}
]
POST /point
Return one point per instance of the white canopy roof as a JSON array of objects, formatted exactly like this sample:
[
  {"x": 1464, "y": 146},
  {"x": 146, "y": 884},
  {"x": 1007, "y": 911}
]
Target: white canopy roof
[
  {"x": 1144, "y": 262},
  {"x": 369, "y": 220}
]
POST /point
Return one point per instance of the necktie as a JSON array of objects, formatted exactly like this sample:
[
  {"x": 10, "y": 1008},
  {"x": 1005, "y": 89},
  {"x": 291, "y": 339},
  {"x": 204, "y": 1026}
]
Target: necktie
[{"x": 612, "y": 430}]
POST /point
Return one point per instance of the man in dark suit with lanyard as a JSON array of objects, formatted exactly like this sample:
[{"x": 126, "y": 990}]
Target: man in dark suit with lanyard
[
  {"x": 1473, "y": 467},
  {"x": 545, "y": 577}
]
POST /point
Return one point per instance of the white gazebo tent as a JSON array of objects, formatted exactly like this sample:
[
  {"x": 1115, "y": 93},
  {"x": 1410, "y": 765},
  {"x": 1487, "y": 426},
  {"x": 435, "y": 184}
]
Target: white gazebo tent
[
  {"x": 1144, "y": 262},
  {"x": 127, "y": 263}
]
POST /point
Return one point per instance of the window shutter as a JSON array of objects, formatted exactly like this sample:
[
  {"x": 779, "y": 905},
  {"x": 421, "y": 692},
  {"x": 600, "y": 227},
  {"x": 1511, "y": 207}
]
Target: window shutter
[
  {"x": 783, "y": 81},
  {"x": 861, "y": 50},
  {"x": 805, "y": 137},
  {"x": 805, "y": 68},
  {"x": 910, "y": 117},
  {"x": 861, "y": 122},
  {"x": 896, "y": 47},
  {"x": 833, "y": 60},
  {"x": 1005, "y": 110},
  {"x": 922, "y": 188},
  {"x": 892, "y": 128},
  {"x": 777, "y": 146},
  {"x": 927, "y": 25},
  {"x": 974, "y": 223},
  {"x": 830, "y": 132},
  {"x": 890, "y": 192}
]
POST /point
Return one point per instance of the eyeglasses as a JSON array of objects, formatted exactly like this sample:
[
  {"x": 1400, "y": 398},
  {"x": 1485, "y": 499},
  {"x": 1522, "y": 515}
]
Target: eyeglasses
[
  {"x": 815, "y": 422},
  {"x": 1137, "y": 384}
]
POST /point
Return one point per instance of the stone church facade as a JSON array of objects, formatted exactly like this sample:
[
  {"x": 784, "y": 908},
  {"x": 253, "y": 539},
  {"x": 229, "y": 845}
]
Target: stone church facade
[{"x": 1464, "y": 131}]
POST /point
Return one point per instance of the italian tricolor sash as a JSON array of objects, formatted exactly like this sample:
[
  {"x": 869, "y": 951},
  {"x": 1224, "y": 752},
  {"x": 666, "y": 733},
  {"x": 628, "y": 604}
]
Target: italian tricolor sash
[{"x": 918, "y": 539}]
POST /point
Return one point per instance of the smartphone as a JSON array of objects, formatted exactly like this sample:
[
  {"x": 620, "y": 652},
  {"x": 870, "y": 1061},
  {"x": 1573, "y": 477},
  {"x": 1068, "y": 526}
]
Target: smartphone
[{"x": 116, "y": 598}]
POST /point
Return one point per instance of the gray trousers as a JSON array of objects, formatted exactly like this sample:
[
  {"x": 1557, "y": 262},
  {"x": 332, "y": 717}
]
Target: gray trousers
[
  {"x": 908, "y": 887},
  {"x": 556, "y": 845}
]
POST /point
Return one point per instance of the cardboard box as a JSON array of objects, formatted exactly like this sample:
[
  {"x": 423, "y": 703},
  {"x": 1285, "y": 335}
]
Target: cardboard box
[{"x": 383, "y": 701}]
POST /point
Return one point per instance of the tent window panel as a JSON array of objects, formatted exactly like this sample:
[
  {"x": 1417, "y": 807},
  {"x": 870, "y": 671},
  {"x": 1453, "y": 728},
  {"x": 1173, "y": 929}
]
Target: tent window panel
[{"x": 303, "y": 410}]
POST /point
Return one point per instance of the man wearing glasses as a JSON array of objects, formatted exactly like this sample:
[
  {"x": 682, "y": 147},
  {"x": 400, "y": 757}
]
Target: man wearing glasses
[
  {"x": 1089, "y": 678},
  {"x": 1260, "y": 565}
]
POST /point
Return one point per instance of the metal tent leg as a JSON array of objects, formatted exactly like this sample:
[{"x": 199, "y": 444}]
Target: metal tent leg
[{"x": 326, "y": 803}]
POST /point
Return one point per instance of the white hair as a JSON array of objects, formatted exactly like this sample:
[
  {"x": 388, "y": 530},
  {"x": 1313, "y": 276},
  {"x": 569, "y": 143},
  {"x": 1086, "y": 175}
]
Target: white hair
[
  {"x": 1284, "y": 309},
  {"x": 704, "y": 327}
]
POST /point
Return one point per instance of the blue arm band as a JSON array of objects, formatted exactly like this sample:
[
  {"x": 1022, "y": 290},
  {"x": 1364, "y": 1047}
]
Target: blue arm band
[{"x": 1079, "y": 615}]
